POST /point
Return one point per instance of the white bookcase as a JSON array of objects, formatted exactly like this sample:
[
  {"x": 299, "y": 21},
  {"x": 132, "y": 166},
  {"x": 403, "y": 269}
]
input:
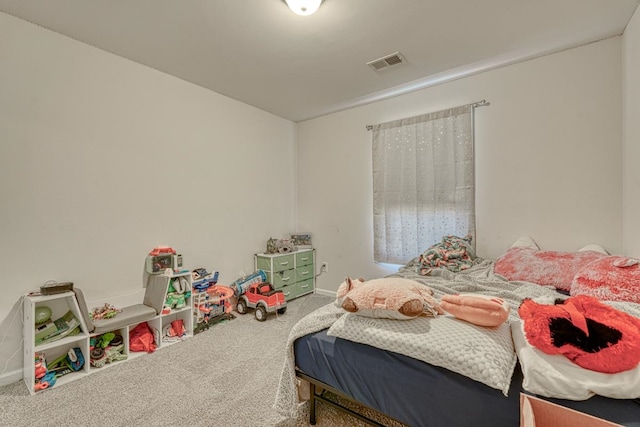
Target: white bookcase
[{"x": 61, "y": 303}]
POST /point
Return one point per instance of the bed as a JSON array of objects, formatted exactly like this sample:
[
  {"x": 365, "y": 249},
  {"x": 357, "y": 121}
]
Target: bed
[{"x": 438, "y": 371}]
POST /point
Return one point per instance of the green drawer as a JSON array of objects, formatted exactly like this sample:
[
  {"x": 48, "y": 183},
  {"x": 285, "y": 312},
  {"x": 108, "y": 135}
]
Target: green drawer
[
  {"x": 280, "y": 262},
  {"x": 263, "y": 263},
  {"x": 305, "y": 272},
  {"x": 290, "y": 291},
  {"x": 283, "y": 278},
  {"x": 298, "y": 289},
  {"x": 305, "y": 287},
  {"x": 304, "y": 258}
]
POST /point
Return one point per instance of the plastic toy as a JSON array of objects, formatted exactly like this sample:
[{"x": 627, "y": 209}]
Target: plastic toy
[
  {"x": 46, "y": 375},
  {"x": 177, "y": 295},
  {"x": 264, "y": 299},
  {"x": 106, "y": 348},
  {"x": 46, "y": 381},
  {"x": 162, "y": 257},
  {"x": 202, "y": 279},
  {"x": 211, "y": 305},
  {"x": 241, "y": 285},
  {"x": 71, "y": 361},
  {"x": 42, "y": 314},
  {"x": 44, "y": 378}
]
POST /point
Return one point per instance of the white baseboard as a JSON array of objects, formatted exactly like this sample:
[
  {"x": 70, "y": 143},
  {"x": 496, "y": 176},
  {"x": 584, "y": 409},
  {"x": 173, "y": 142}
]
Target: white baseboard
[
  {"x": 10, "y": 377},
  {"x": 326, "y": 293}
]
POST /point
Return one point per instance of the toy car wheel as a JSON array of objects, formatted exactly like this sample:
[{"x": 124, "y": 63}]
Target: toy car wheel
[
  {"x": 97, "y": 353},
  {"x": 116, "y": 341},
  {"x": 261, "y": 313},
  {"x": 282, "y": 310},
  {"x": 241, "y": 307}
]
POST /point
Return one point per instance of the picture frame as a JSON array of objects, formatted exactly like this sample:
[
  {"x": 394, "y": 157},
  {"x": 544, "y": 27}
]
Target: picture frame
[{"x": 301, "y": 240}]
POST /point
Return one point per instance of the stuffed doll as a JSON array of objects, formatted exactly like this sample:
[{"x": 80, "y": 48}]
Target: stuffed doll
[{"x": 591, "y": 334}]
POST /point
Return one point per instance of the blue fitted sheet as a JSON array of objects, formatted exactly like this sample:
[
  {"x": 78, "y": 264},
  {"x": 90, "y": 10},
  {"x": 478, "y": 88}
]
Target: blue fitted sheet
[{"x": 419, "y": 394}]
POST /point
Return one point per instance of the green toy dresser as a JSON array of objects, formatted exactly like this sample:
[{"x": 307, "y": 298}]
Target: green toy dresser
[{"x": 293, "y": 273}]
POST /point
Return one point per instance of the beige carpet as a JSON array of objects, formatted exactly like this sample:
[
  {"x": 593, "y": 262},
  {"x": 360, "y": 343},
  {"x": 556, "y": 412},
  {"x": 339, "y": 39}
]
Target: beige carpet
[{"x": 225, "y": 376}]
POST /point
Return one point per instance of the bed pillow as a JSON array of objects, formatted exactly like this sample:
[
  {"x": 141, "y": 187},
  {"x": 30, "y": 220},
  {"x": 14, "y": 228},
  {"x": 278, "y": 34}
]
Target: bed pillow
[
  {"x": 486, "y": 355},
  {"x": 553, "y": 375},
  {"x": 543, "y": 267},
  {"x": 480, "y": 310},
  {"x": 391, "y": 298},
  {"x": 595, "y": 248},
  {"x": 611, "y": 278},
  {"x": 525, "y": 242}
]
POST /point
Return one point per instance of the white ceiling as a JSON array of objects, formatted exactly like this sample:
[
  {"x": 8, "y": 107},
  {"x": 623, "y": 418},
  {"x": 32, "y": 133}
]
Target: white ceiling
[{"x": 297, "y": 67}]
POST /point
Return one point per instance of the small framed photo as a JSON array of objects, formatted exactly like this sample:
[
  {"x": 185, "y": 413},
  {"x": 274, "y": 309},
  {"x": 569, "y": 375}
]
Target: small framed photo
[{"x": 301, "y": 240}]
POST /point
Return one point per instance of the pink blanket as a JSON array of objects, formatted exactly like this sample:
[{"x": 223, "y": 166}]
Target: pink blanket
[
  {"x": 609, "y": 279},
  {"x": 543, "y": 267}
]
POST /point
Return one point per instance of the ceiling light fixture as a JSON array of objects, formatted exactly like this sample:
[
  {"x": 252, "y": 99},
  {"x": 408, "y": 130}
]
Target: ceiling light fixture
[{"x": 303, "y": 7}]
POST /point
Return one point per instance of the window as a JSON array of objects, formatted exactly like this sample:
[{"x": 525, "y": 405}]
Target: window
[{"x": 423, "y": 182}]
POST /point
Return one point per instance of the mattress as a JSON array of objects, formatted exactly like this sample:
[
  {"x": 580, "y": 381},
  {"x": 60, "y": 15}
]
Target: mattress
[{"x": 419, "y": 394}]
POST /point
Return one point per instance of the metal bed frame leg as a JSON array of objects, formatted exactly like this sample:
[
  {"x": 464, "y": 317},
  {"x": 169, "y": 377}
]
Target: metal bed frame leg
[
  {"x": 312, "y": 404},
  {"x": 320, "y": 397}
]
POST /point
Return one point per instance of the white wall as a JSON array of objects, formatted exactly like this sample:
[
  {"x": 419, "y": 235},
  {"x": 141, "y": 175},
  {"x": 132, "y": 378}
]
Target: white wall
[
  {"x": 631, "y": 136},
  {"x": 102, "y": 159},
  {"x": 548, "y": 160}
]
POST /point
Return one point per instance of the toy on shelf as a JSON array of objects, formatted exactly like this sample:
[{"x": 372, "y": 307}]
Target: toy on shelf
[
  {"x": 42, "y": 314},
  {"x": 177, "y": 294},
  {"x": 161, "y": 258},
  {"x": 47, "y": 374},
  {"x": 107, "y": 311},
  {"x": 44, "y": 378},
  {"x": 106, "y": 348},
  {"x": 174, "y": 331},
  {"x": 51, "y": 331}
]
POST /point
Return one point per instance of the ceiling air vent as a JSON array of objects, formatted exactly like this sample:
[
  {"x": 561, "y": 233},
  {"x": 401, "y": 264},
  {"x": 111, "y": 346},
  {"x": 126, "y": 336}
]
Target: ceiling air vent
[{"x": 387, "y": 61}]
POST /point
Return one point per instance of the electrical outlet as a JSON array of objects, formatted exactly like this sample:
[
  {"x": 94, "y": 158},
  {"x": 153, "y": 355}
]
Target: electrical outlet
[{"x": 324, "y": 267}]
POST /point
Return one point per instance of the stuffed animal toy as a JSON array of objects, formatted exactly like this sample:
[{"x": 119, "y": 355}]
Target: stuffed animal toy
[
  {"x": 285, "y": 246},
  {"x": 345, "y": 287},
  {"x": 481, "y": 310},
  {"x": 272, "y": 246},
  {"x": 591, "y": 334},
  {"x": 390, "y": 298}
]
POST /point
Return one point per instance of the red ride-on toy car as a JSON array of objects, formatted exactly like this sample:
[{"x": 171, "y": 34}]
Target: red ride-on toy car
[{"x": 264, "y": 299}]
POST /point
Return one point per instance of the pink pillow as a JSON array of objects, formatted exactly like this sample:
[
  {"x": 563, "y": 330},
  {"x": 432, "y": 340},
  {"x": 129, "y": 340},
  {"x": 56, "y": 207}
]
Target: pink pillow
[
  {"x": 480, "y": 310},
  {"x": 543, "y": 267},
  {"x": 612, "y": 278}
]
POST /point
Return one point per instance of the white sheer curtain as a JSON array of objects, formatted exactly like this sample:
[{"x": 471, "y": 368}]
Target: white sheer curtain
[{"x": 423, "y": 182}]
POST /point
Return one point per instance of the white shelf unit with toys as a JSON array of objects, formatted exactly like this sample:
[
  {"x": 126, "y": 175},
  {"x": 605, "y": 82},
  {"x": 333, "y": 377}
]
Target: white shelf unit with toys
[
  {"x": 177, "y": 307},
  {"x": 59, "y": 304}
]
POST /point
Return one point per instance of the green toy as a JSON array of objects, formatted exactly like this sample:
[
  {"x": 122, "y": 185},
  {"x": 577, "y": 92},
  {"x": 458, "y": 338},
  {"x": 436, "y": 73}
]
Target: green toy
[
  {"x": 105, "y": 339},
  {"x": 42, "y": 314}
]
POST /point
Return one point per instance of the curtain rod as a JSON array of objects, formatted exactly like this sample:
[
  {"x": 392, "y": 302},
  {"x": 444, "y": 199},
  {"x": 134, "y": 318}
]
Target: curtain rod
[{"x": 481, "y": 103}]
